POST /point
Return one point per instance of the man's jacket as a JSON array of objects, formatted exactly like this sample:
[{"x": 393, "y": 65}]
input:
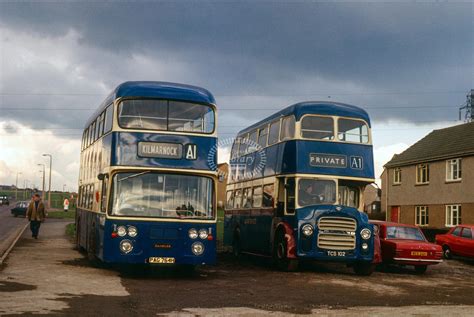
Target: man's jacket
[{"x": 34, "y": 213}]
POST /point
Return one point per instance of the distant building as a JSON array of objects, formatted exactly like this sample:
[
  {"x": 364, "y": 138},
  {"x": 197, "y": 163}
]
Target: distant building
[
  {"x": 223, "y": 170},
  {"x": 431, "y": 184},
  {"x": 372, "y": 199}
]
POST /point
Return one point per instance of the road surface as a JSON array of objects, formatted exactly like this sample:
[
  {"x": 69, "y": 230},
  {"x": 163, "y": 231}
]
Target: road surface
[{"x": 9, "y": 227}]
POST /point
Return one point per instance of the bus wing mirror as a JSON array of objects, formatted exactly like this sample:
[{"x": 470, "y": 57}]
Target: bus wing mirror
[{"x": 101, "y": 176}]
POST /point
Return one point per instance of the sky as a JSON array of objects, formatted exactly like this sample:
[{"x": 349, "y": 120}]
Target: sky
[{"x": 409, "y": 64}]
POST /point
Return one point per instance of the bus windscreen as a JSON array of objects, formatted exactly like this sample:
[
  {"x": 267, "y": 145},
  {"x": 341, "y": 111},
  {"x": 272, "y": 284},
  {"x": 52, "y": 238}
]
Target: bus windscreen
[{"x": 160, "y": 195}]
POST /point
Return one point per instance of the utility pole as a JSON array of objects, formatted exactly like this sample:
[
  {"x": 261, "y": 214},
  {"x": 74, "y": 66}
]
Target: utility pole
[
  {"x": 25, "y": 194},
  {"x": 50, "y": 168},
  {"x": 468, "y": 107},
  {"x": 16, "y": 186},
  {"x": 44, "y": 168}
]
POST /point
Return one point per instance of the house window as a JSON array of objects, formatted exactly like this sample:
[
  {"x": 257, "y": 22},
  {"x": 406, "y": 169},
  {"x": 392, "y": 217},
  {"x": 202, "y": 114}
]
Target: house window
[
  {"x": 422, "y": 173},
  {"x": 453, "y": 215},
  {"x": 453, "y": 170},
  {"x": 397, "y": 176},
  {"x": 421, "y": 216}
]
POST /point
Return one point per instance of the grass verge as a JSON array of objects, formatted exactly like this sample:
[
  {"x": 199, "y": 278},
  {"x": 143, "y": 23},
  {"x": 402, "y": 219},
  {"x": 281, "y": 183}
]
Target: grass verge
[
  {"x": 62, "y": 215},
  {"x": 71, "y": 230}
]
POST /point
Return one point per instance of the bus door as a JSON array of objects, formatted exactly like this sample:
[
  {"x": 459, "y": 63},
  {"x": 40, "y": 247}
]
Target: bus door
[
  {"x": 285, "y": 205},
  {"x": 104, "y": 181}
]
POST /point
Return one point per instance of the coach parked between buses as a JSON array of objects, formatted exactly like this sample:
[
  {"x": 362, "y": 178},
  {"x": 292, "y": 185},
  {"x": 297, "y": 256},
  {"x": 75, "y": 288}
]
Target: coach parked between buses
[
  {"x": 147, "y": 181},
  {"x": 296, "y": 185}
]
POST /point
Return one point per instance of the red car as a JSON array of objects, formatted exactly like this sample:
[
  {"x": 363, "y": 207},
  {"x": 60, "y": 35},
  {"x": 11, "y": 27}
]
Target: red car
[
  {"x": 458, "y": 241},
  {"x": 406, "y": 245}
]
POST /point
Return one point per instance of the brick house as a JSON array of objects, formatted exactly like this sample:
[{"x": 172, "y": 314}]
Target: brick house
[{"x": 431, "y": 184}]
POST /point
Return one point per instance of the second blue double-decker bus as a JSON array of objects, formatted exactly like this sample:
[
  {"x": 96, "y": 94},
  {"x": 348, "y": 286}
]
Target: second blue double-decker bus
[
  {"x": 147, "y": 182},
  {"x": 296, "y": 186}
]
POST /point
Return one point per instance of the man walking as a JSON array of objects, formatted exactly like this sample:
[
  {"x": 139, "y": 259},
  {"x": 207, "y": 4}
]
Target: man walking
[{"x": 35, "y": 214}]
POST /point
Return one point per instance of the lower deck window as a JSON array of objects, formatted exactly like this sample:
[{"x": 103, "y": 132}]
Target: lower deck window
[{"x": 150, "y": 194}]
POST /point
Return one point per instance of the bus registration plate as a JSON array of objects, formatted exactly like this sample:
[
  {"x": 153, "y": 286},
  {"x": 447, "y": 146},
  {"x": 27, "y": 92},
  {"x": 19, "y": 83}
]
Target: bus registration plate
[
  {"x": 161, "y": 260},
  {"x": 337, "y": 253}
]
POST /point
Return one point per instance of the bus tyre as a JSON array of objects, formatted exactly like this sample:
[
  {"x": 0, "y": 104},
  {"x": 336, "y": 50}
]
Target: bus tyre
[
  {"x": 364, "y": 269},
  {"x": 280, "y": 258},
  {"x": 421, "y": 269},
  {"x": 447, "y": 252}
]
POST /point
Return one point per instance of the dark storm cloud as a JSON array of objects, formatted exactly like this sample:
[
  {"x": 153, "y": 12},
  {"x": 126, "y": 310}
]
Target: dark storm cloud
[{"x": 382, "y": 56}]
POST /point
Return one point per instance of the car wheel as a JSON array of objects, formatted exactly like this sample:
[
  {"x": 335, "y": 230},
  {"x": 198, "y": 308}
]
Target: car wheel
[
  {"x": 447, "y": 252},
  {"x": 364, "y": 269},
  {"x": 420, "y": 269},
  {"x": 280, "y": 251}
]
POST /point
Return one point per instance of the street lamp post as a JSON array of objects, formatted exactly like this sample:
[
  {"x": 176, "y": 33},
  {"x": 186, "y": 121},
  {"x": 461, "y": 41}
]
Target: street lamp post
[
  {"x": 44, "y": 167},
  {"x": 25, "y": 194},
  {"x": 50, "y": 168},
  {"x": 16, "y": 185}
]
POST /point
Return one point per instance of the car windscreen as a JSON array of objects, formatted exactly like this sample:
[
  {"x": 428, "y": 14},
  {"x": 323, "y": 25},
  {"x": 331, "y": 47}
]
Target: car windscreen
[
  {"x": 406, "y": 233},
  {"x": 166, "y": 115},
  {"x": 160, "y": 195}
]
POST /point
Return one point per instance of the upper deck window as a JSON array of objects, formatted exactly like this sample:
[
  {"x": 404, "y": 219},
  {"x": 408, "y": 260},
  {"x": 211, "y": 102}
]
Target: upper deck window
[
  {"x": 262, "y": 136},
  {"x": 287, "y": 128},
  {"x": 189, "y": 117},
  {"x": 319, "y": 128},
  {"x": 274, "y": 132},
  {"x": 151, "y": 114},
  {"x": 353, "y": 131}
]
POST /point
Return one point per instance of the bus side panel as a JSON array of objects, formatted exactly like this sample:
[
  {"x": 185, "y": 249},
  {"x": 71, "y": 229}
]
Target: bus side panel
[
  {"x": 229, "y": 227},
  {"x": 263, "y": 232}
]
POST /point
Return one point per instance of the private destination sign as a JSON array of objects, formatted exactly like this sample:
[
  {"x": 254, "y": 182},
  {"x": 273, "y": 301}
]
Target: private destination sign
[
  {"x": 336, "y": 160},
  {"x": 160, "y": 150},
  {"x": 327, "y": 160}
]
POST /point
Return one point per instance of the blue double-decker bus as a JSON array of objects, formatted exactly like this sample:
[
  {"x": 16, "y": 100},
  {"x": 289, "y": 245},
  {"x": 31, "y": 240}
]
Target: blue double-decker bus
[
  {"x": 296, "y": 185},
  {"x": 147, "y": 181}
]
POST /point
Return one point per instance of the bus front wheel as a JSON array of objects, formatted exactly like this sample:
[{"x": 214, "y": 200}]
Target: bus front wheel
[
  {"x": 364, "y": 269},
  {"x": 280, "y": 254}
]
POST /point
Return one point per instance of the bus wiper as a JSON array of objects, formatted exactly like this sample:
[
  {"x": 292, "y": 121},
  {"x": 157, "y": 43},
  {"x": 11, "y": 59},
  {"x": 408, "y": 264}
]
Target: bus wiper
[{"x": 134, "y": 175}]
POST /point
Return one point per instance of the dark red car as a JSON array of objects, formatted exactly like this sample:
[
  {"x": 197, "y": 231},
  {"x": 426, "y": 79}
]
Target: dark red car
[
  {"x": 458, "y": 241},
  {"x": 404, "y": 244}
]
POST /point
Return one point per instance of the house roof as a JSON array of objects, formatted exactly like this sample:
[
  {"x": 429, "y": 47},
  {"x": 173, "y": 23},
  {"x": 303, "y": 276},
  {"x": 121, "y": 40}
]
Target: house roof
[{"x": 456, "y": 141}]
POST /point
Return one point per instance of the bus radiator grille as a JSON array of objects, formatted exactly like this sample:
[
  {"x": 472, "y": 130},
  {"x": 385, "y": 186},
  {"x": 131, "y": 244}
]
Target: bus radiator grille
[{"x": 337, "y": 233}]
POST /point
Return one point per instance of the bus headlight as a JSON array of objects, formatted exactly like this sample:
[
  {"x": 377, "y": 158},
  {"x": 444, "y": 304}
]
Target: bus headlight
[
  {"x": 132, "y": 231},
  {"x": 121, "y": 231},
  {"x": 126, "y": 246},
  {"x": 203, "y": 234},
  {"x": 197, "y": 248},
  {"x": 365, "y": 234},
  {"x": 192, "y": 233},
  {"x": 307, "y": 230}
]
